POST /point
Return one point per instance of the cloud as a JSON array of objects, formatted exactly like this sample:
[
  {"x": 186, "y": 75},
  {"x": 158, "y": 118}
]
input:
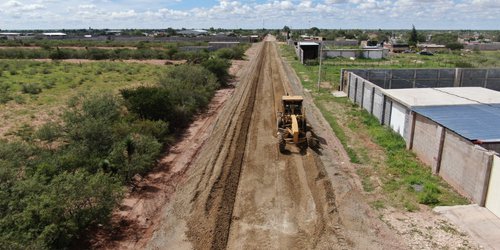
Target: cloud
[{"x": 457, "y": 14}]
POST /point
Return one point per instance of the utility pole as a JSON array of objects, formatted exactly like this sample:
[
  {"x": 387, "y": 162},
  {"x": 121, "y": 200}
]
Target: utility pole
[{"x": 320, "y": 61}]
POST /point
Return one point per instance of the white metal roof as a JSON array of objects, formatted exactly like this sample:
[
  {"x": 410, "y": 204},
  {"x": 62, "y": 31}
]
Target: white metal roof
[
  {"x": 54, "y": 34},
  {"x": 10, "y": 34},
  {"x": 443, "y": 96},
  {"x": 223, "y": 42},
  {"x": 308, "y": 43}
]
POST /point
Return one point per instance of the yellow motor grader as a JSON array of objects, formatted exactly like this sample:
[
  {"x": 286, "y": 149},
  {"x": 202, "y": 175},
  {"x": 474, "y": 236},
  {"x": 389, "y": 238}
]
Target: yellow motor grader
[{"x": 291, "y": 123}]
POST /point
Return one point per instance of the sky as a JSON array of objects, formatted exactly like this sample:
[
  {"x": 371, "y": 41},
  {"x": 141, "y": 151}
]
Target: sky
[{"x": 251, "y": 14}]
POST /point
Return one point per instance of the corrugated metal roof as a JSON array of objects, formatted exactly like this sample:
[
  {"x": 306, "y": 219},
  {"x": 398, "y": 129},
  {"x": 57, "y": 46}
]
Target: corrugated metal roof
[{"x": 480, "y": 122}]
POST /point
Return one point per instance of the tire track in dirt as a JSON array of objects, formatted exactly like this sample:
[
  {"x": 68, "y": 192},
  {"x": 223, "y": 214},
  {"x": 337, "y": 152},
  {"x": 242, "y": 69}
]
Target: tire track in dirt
[{"x": 283, "y": 200}]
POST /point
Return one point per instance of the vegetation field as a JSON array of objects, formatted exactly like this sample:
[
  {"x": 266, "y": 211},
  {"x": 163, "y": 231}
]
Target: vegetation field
[
  {"x": 390, "y": 174},
  {"x": 94, "y": 50},
  {"x": 34, "y": 92},
  {"x": 73, "y": 135}
]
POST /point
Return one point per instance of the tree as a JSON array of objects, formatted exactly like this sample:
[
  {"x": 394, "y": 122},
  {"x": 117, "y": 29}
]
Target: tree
[
  {"x": 444, "y": 38},
  {"x": 314, "y": 31},
  {"x": 413, "y": 40},
  {"x": 171, "y": 32}
]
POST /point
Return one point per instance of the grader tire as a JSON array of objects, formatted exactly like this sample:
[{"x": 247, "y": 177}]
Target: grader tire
[
  {"x": 311, "y": 142},
  {"x": 279, "y": 123},
  {"x": 281, "y": 142}
]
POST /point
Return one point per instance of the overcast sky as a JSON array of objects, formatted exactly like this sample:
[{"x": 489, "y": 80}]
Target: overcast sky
[{"x": 345, "y": 14}]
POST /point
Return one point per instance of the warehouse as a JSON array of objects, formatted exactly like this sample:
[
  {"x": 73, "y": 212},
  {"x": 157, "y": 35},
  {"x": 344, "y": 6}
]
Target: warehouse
[{"x": 453, "y": 130}]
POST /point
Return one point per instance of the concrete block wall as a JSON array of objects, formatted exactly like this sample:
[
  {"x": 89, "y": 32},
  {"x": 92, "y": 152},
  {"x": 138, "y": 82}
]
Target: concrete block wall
[
  {"x": 378, "y": 105},
  {"x": 366, "y": 95},
  {"x": 466, "y": 167},
  {"x": 493, "y": 196},
  {"x": 492, "y": 146},
  {"x": 426, "y": 141}
]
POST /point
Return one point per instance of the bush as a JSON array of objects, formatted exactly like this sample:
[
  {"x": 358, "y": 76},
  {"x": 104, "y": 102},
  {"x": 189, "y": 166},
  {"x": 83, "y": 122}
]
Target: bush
[
  {"x": 31, "y": 88},
  {"x": 5, "y": 95},
  {"x": 235, "y": 53},
  {"x": 463, "y": 64},
  {"x": 312, "y": 62},
  {"x": 149, "y": 102},
  {"x": 59, "y": 54},
  {"x": 135, "y": 154},
  {"x": 219, "y": 67},
  {"x": 428, "y": 198},
  {"x": 97, "y": 54}
]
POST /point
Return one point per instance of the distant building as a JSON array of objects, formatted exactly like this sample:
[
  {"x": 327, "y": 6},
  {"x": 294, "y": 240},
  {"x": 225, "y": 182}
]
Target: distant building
[
  {"x": 54, "y": 34},
  {"x": 9, "y": 35},
  {"x": 114, "y": 32},
  {"x": 192, "y": 32},
  {"x": 432, "y": 47},
  {"x": 397, "y": 47}
]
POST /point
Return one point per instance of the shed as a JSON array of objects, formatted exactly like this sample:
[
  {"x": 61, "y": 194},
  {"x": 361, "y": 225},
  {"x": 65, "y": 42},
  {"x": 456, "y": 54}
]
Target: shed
[{"x": 308, "y": 50}]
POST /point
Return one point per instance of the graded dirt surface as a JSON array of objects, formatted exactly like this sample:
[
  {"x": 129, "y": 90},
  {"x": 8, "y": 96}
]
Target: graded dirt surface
[{"x": 241, "y": 193}]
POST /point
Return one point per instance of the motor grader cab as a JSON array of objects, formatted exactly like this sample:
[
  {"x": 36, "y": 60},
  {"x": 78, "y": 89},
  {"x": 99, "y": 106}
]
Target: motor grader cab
[{"x": 291, "y": 123}]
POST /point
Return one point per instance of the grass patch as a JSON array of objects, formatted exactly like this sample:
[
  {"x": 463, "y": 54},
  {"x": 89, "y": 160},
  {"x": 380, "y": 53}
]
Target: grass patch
[{"x": 378, "y": 204}]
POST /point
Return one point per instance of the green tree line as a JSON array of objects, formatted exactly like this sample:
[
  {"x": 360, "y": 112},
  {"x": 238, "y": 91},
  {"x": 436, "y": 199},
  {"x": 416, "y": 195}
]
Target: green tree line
[{"x": 116, "y": 54}]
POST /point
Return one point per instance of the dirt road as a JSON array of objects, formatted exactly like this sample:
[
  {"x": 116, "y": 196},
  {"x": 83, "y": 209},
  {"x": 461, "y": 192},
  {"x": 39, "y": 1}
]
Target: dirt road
[{"x": 241, "y": 193}]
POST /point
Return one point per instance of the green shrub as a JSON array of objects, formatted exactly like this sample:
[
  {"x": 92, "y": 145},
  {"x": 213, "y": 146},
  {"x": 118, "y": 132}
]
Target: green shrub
[
  {"x": 428, "y": 198},
  {"x": 312, "y": 62},
  {"x": 31, "y": 88},
  {"x": 235, "y": 53},
  {"x": 19, "y": 99},
  {"x": 59, "y": 54},
  {"x": 463, "y": 64},
  {"x": 135, "y": 154},
  {"x": 5, "y": 94},
  {"x": 49, "y": 84},
  {"x": 219, "y": 67},
  {"x": 149, "y": 102}
]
